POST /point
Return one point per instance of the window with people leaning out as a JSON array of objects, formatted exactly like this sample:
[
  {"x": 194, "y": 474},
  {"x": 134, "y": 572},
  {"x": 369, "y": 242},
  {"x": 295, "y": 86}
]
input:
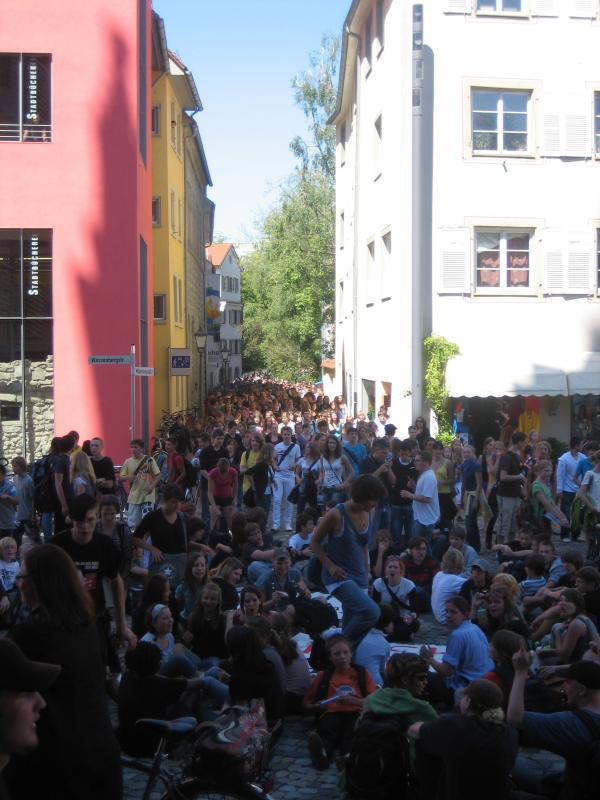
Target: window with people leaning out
[{"x": 25, "y": 107}]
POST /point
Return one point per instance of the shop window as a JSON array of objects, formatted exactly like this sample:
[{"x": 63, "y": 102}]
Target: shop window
[{"x": 25, "y": 98}]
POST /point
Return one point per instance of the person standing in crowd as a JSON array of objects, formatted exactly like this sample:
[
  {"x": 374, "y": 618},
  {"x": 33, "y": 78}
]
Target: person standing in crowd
[
  {"x": 510, "y": 484},
  {"x": 471, "y": 490},
  {"x": 25, "y": 494},
  {"x": 96, "y": 557},
  {"x": 209, "y": 457},
  {"x": 379, "y": 465},
  {"x": 287, "y": 455},
  {"x": 403, "y": 467},
  {"x": 354, "y": 450},
  {"x": 8, "y": 504},
  {"x": 78, "y": 755},
  {"x": 143, "y": 475},
  {"x": 175, "y": 464},
  {"x": 346, "y": 562},
  {"x": 104, "y": 469},
  {"x": 566, "y": 482},
  {"x": 60, "y": 467},
  {"x": 425, "y": 503},
  {"x": 21, "y": 703}
]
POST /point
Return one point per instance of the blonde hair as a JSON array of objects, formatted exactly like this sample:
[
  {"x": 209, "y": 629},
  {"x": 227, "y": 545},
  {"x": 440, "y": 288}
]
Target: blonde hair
[
  {"x": 508, "y": 582},
  {"x": 82, "y": 465},
  {"x": 5, "y": 541},
  {"x": 453, "y": 562}
]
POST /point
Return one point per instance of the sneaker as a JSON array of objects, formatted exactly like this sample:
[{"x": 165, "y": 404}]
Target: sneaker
[
  {"x": 274, "y": 530},
  {"x": 566, "y": 539},
  {"x": 289, "y": 529},
  {"x": 318, "y": 754}
]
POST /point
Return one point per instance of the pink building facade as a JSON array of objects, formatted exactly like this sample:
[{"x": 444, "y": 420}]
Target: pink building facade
[{"x": 75, "y": 221}]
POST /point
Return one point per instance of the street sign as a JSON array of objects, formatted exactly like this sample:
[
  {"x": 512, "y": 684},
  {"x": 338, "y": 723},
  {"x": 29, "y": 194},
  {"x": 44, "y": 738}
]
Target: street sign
[
  {"x": 108, "y": 361},
  {"x": 144, "y": 372}
]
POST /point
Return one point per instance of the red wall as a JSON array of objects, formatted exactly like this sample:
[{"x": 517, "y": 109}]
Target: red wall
[{"x": 91, "y": 187}]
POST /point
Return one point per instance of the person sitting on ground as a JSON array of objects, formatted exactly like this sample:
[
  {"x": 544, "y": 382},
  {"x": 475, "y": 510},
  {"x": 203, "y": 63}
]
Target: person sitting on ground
[
  {"x": 256, "y": 556},
  {"x": 503, "y": 646},
  {"x": 269, "y": 642},
  {"x": 251, "y": 675},
  {"x": 420, "y": 568},
  {"x": 478, "y": 583},
  {"x": 374, "y": 650},
  {"x": 399, "y": 592},
  {"x": 468, "y": 750},
  {"x": 336, "y": 720},
  {"x": 283, "y": 586},
  {"x": 587, "y": 581},
  {"x": 207, "y": 627},
  {"x": 511, "y": 555},
  {"x": 466, "y": 658},
  {"x": 156, "y": 590},
  {"x": 457, "y": 540},
  {"x": 143, "y": 693},
  {"x": 570, "y": 734},
  {"x": 571, "y": 637},
  {"x": 382, "y": 549},
  {"x": 299, "y": 543},
  {"x": 176, "y": 661},
  {"x": 187, "y": 593},
  {"x": 530, "y": 588},
  {"x": 251, "y": 605},
  {"x": 405, "y": 679},
  {"x": 447, "y": 583},
  {"x": 227, "y": 577},
  {"x": 297, "y": 671},
  {"x": 497, "y": 611}
]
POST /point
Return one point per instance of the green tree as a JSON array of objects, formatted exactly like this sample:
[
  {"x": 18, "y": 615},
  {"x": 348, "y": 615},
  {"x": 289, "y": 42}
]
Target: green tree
[{"x": 288, "y": 282}]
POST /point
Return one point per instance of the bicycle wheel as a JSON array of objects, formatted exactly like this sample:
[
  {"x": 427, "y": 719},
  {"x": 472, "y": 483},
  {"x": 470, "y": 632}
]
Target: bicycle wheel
[{"x": 195, "y": 789}]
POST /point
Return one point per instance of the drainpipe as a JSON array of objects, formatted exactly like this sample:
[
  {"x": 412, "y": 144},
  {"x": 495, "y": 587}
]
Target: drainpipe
[
  {"x": 355, "y": 227},
  {"x": 418, "y": 221}
]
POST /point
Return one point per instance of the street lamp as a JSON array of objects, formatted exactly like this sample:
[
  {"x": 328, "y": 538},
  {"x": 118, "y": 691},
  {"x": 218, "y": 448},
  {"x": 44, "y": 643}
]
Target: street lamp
[
  {"x": 225, "y": 360},
  {"x": 201, "y": 338}
]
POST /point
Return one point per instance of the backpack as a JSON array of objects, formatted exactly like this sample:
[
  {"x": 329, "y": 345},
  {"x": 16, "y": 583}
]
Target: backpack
[
  {"x": 191, "y": 475},
  {"x": 44, "y": 494},
  {"x": 378, "y": 765}
]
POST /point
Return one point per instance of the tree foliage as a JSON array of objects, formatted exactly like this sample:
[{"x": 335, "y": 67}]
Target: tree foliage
[
  {"x": 288, "y": 281},
  {"x": 438, "y": 351}
]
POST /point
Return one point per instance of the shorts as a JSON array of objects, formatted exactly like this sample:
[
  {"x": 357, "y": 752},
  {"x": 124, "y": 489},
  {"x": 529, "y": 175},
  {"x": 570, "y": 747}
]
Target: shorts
[{"x": 223, "y": 502}]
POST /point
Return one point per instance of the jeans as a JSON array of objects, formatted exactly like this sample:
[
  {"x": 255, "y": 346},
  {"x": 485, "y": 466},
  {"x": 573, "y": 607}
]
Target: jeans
[
  {"x": 284, "y": 483},
  {"x": 265, "y": 504},
  {"x": 426, "y": 531},
  {"x": 566, "y": 501},
  {"x": 472, "y": 528},
  {"x": 257, "y": 570},
  {"x": 360, "y": 612},
  {"x": 46, "y": 525},
  {"x": 381, "y": 519},
  {"x": 401, "y": 520},
  {"x": 422, "y": 599}
]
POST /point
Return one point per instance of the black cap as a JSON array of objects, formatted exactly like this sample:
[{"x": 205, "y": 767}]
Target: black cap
[
  {"x": 587, "y": 673},
  {"x": 19, "y": 674}
]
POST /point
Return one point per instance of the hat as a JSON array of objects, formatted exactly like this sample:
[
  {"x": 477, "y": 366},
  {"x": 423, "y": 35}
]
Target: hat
[
  {"x": 587, "y": 673},
  {"x": 19, "y": 674},
  {"x": 281, "y": 552},
  {"x": 480, "y": 564}
]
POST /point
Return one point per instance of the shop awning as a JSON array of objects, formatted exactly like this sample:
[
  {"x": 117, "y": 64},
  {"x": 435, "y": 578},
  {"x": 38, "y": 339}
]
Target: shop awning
[
  {"x": 468, "y": 376},
  {"x": 584, "y": 377}
]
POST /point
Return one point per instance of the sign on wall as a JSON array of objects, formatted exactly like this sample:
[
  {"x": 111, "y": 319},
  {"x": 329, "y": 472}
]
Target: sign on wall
[{"x": 180, "y": 361}]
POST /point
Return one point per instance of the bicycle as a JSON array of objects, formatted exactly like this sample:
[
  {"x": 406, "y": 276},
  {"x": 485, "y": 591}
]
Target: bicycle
[{"x": 193, "y": 787}]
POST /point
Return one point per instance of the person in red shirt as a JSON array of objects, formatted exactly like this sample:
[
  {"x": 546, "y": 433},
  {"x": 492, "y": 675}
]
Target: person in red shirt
[
  {"x": 337, "y": 718},
  {"x": 222, "y": 491},
  {"x": 175, "y": 464}
]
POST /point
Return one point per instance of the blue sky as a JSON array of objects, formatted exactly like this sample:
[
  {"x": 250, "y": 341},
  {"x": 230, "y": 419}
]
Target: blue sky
[{"x": 244, "y": 54}]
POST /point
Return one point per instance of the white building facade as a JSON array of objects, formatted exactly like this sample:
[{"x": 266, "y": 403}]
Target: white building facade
[
  {"x": 225, "y": 349},
  {"x": 468, "y": 206}
]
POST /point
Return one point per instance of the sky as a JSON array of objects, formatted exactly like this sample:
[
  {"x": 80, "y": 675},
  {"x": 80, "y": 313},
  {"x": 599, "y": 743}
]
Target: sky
[{"x": 243, "y": 55}]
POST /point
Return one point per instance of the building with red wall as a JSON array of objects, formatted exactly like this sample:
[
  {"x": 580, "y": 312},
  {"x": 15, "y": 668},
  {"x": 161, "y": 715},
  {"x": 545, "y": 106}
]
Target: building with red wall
[{"x": 75, "y": 220}]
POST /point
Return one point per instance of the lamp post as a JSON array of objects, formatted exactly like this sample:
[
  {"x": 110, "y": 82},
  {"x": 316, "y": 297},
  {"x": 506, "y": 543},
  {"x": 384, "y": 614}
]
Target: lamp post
[
  {"x": 225, "y": 360},
  {"x": 201, "y": 338}
]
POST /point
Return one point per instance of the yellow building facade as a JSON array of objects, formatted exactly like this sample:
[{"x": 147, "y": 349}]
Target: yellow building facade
[{"x": 173, "y": 94}]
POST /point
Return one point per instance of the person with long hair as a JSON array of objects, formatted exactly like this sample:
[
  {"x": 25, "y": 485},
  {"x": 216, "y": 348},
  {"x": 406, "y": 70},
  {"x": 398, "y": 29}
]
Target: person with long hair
[
  {"x": 571, "y": 637},
  {"x": 78, "y": 754},
  {"x": 336, "y": 472},
  {"x": 227, "y": 577},
  {"x": 468, "y": 750},
  {"x": 187, "y": 593},
  {"x": 262, "y": 477},
  {"x": 503, "y": 646},
  {"x": 207, "y": 626},
  {"x": 496, "y": 610},
  {"x": 156, "y": 590},
  {"x": 251, "y": 675}
]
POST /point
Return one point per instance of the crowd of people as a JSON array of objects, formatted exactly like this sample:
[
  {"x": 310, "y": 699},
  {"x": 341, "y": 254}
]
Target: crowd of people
[{"x": 237, "y": 531}]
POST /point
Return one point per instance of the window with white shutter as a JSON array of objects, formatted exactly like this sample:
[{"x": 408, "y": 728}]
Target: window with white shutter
[
  {"x": 454, "y": 258},
  {"x": 545, "y": 8},
  {"x": 585, "y": 9},
  {"x": 566, "y": 126},
  {"x": 568, "y": 263},
  {"x": 458, "y": 6}
]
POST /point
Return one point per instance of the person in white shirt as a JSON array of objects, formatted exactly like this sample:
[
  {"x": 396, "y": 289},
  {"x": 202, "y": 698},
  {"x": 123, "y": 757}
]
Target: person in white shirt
[
  {"x": 566, "y": 484},
  {"x": 426, "y": 506},
  {"x": 287, "y": 455},
  {"x": 447, "y": 583}
]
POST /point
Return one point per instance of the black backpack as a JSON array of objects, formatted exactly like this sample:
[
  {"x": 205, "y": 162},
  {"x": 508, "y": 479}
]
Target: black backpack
[
  {"x": 378, "y": 765},
  {"x": 590, "y": 786},
  {"x": 44, "y": 494}
]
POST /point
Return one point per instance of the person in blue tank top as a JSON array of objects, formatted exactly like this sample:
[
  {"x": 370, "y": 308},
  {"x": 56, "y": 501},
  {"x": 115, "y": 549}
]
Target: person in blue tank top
[{"x": 346, "y": 560}]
